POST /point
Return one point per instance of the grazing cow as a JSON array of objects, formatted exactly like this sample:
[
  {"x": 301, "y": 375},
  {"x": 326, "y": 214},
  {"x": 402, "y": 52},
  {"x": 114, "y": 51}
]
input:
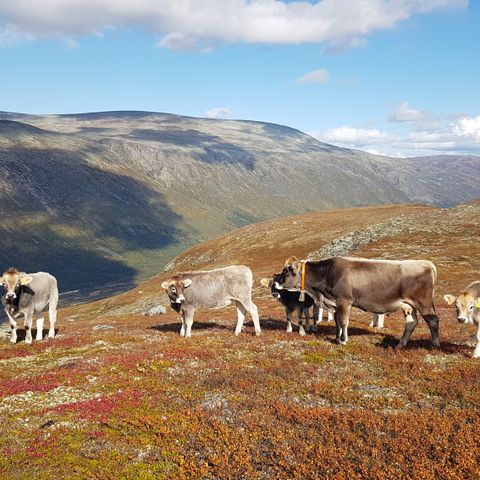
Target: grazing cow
[
  {"x": 292, "y": 303},
  {"x": 29, "y": 294},
  {"x": 377, "y": 286},
  {"x": 212, "y": 289},
  {"x": 468, "y": 309}
]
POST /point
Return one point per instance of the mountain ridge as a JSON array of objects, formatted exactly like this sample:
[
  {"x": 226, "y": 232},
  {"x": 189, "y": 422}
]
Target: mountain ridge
[{"x": 121, "y": 193}]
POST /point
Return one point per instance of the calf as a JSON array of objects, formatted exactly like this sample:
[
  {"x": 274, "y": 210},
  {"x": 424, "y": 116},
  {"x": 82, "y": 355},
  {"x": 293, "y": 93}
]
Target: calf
[
  {"x": 28, "y": 295},
  {"x": 377, "y": 286},
  {"x": 467, "y": 305},
  {"x": 212, "y": 289},
  {"x": 291, "y": 302}
]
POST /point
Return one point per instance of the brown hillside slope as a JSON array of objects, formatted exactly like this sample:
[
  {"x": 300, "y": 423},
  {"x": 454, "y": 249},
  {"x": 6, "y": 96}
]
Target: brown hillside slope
[{"x": 121, "y": 395}]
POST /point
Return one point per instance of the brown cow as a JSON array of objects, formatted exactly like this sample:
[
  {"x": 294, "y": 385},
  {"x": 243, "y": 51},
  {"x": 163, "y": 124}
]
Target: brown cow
[{"x": 378, "y": 286}]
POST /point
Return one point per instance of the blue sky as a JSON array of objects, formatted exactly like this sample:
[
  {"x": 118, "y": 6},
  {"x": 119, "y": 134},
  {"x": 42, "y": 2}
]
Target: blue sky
[{"x": 398, "y": 77}]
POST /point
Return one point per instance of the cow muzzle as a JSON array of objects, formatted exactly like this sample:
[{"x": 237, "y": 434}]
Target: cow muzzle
[{"x": 180, "y": 299}]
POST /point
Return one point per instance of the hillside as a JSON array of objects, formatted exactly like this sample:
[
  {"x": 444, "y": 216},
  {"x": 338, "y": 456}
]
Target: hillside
[
  {"x": 120, "y": 394},
  {"x": 111, "y": 197}
]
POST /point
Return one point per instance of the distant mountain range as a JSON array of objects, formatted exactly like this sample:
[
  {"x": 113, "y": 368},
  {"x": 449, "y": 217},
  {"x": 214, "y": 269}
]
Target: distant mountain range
[{"x": 112, "y": 196}]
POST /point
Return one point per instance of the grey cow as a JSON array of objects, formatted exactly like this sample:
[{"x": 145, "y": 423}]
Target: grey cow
[
  {"x": 28, "y": 295},
  {"x": 212, "y": 289}
]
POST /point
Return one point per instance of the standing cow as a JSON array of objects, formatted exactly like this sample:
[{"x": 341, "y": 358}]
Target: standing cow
[
  {"x": 29, "y": 294},
  {"x": 291, "y": 302},
  {"x": 212, "y": 289},
  {"x": 468, "y": 309},
  {"x": 378, "y": 286}
]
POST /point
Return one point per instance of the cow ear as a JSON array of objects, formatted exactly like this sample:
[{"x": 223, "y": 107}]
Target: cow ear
[
  {"x": 290, "y": 260},
  {"x": 264, "y": 282},
  {"x": 25, "y": 280},
  {"x": 165, "y": 285},
  {"x": 450, "y": 299},
  {"x": 187, "y": 282}
]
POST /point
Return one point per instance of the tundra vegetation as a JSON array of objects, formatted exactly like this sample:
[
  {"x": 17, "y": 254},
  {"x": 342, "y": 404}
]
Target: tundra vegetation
[{"x": 121, "y": 395}]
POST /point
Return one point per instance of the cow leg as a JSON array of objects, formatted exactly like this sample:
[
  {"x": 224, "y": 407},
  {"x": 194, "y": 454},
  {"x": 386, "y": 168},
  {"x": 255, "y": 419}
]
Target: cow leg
[
  {"x": 342, "y": 317},
  {"x": 28, "y": 326},
  {"x": 188, "y": 320},
  {"x": 432, "y": 322},
  {"x": 52, "y": 318},
  {"x": 301, "y": 329},
  {"x": 315, "y": 318},
  {"x": 240, "y": 318},
  {"x": 411, "y": 321},
  {"x": 476, "y": 352},
  {"x": 289, "y": 320},
  {"x": 182, "y": 328},
  {"x": 13, "y": 326},
  {"x": 252, "y": 309},
  {"x": 306, "y": 314},
  {"x": 317, "y": 314},
  {"x": 40, "y": 321},
  {"x": 378, "y": 320}
]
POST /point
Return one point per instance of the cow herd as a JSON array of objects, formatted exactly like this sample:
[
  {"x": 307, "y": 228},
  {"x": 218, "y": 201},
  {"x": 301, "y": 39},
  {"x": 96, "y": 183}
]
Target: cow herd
[{"x": 336, "y": 284}]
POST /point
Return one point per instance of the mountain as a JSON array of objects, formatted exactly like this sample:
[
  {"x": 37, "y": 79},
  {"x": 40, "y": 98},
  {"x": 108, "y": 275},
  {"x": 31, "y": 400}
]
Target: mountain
[{"x": 112, "y": 196}]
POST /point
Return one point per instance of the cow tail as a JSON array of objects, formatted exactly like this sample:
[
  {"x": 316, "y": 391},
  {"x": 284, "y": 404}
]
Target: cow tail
[{"x": 53, "y": 293}]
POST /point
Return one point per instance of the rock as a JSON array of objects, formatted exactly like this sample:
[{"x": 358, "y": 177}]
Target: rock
[
  {"x": 158, "y": 310},
  {"x": 102, "y": 327}
]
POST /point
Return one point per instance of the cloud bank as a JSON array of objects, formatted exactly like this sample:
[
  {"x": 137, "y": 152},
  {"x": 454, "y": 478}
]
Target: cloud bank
[
  {"x": 427, "y": 134},
  {"x": 192, "y": 25}
]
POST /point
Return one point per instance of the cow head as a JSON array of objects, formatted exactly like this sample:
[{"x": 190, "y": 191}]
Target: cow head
[
  {"x": 12, "y": 281},
  {"x": 175, "y": 288},
  {"x": 464, "y": 303},
  {"x": 269, "y": 283},
  {"x": 290, "y": 277}
]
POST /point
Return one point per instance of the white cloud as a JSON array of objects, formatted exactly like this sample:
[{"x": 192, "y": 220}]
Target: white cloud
[
  {"x": 405, "y": 113},
  {"x": 188, "y": 24},
  {"x": 354, "y": 137},
  {"x": 434, "y": 134},
  {"x": 316, "y": 76},
  {"x": 468, "y": 128},
  {"x": 218, "y": 112}
]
